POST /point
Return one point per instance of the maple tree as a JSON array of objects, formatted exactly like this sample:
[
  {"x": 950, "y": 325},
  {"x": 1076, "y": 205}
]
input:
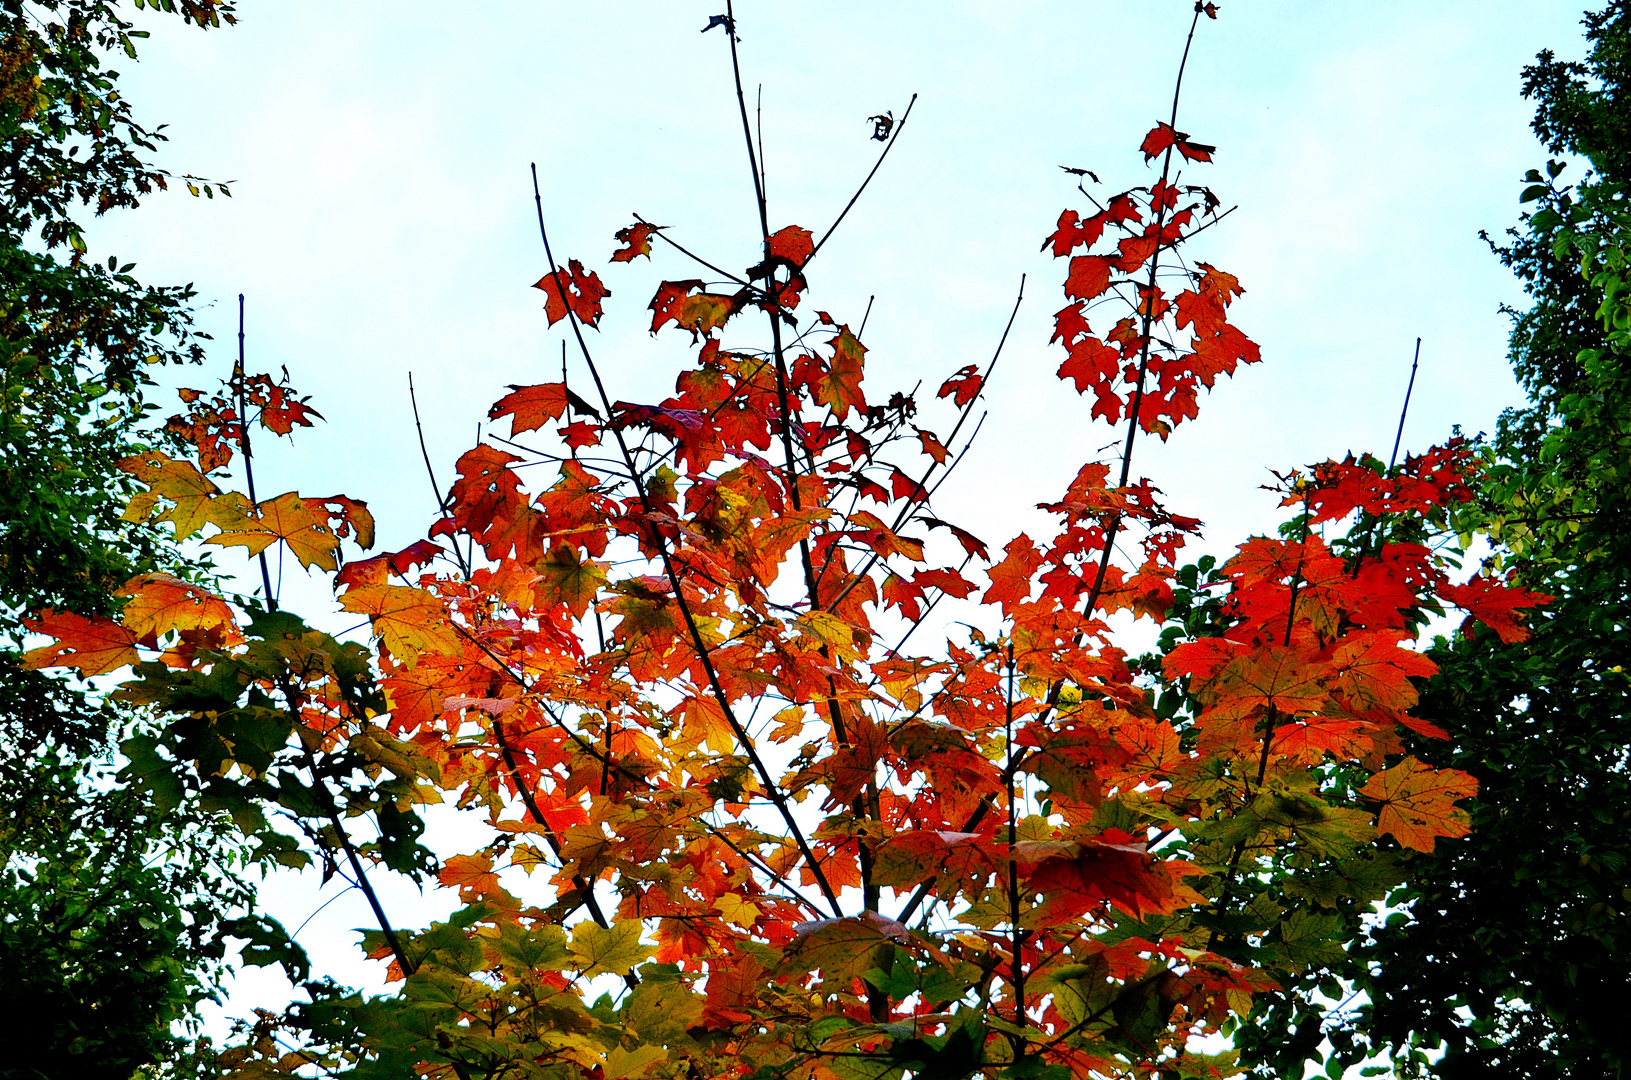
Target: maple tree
[{"x": 739, "y": 824}]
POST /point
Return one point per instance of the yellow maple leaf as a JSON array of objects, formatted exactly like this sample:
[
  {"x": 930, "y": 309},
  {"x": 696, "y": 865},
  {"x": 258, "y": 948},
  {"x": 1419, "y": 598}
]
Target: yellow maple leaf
[
  {"x": 624, "y": 1064},
  {"x": 528, "y": 857},
  {"x": 819, "y": 628},
  {"x": 408, "y": 621},
  {"x": 737, "y": 911},
  {"x": 615, "y": 948},
  {"x": 297, "y": 522},
  {"x": 197, "y": 501}
]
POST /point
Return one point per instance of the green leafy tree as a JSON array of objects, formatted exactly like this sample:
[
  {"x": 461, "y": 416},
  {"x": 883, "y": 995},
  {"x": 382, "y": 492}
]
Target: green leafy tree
[
  {"x": 1513, "y": 958},
  {"x": 75, "y": 335},
  {"x": 115, "y": 904}
]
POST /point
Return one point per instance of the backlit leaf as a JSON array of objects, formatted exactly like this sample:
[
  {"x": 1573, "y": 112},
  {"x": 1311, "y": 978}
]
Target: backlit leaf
[{"x": 1418, "y": 803}]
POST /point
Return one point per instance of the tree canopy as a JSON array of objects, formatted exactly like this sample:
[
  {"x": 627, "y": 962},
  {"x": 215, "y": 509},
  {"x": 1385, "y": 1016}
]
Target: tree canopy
[{"x": 766, "y": 770}]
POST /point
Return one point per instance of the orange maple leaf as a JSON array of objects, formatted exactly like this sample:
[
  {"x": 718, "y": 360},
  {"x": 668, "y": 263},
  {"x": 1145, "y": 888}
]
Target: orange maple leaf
[
  {"x": 160, "y": 603},
  {"x": 408, "y": 621},
  {"x": 472, "y": 875},
  {"x": 1418, "y": 803},
  {"x": 794, "y": 244},
  {"x": 93, "y": 646},
  {"x": 932, "y": 445},
  {"x": 531, "y": 407},
  {"x": 1011, "y": 578}
]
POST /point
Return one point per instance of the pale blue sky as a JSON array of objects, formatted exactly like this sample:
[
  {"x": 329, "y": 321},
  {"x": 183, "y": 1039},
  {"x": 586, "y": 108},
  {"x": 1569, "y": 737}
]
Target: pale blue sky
[{"x": 382, "y": 218}]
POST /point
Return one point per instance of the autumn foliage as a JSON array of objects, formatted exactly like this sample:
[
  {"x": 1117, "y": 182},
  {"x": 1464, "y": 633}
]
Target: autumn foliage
[{"x": 751, "y": 811}]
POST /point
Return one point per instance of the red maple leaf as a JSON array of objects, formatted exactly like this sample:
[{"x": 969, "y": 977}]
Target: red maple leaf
[
  {"x": 962, "y": 386},
  {"x": 794, "y": 244},
  {"x": 1072, "y": 232},
  {"x": 972, "y": 544},
  {"x": 904, "y": 487},
  {"x": 1160, "y": 138},
  {"x": 1089, "y": 276},
  {"x": 1495, "y": 604},
  {"x": 580, "y": 433},
  {"x": 636, "y": 240},
  {"x": 572, "y": 289},
  {"x": 1091, "y": 364}
]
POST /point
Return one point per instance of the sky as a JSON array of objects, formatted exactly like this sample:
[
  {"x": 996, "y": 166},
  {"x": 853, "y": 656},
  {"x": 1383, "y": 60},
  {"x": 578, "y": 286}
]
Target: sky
[{"x": 382, "y": 220}]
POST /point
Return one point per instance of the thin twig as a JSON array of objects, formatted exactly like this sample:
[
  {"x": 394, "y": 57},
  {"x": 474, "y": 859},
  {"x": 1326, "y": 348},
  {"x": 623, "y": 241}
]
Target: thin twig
[
  {"x": 1398, "y": 435},
  {"x": 419, "y": 428},
  {"x": 759, "y": 124},
  {"x": 435, "y": 490},
  {"x": 249, "y": 458},
  {"x": 911, "y": 506},
  {"x": 747, "y": 133},
  {"x": 688, "y": 253},
  {"x": 894, "y": 137}
]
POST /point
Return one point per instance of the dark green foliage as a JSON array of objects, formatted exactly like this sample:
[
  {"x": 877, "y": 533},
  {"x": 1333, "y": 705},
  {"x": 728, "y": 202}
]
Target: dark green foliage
[
  {"x": 73, "y": 341},
  {"x": 1523, "y": 924},
  {"x": 111, "y": 932}
]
